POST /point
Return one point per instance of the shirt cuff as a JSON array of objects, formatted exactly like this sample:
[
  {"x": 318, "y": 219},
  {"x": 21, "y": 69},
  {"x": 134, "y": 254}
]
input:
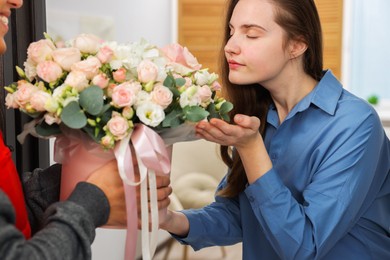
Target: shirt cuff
[{"x": 264, "y": 188}]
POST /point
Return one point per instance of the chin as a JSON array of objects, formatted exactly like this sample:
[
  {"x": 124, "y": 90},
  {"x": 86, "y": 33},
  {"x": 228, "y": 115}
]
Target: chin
[{"x": 240, "y": 80}]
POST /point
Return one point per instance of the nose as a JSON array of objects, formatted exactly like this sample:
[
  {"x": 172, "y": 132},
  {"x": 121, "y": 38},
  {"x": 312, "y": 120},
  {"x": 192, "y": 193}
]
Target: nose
[
  {"x": 15, "y": 3},
  {"x": 231, "y": 46}
]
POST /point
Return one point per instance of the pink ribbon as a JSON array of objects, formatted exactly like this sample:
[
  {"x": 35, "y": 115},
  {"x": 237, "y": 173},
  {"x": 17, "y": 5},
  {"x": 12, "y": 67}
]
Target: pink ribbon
[{"x": 152, "y": 157}]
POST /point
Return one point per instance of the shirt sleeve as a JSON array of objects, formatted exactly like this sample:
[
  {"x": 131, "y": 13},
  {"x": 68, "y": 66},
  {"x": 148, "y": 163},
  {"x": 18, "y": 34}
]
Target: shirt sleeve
[
  {"x": 69, "y": 227},
  {"x": 215, "y": 224},
  {"x": 333, "y": 199}
]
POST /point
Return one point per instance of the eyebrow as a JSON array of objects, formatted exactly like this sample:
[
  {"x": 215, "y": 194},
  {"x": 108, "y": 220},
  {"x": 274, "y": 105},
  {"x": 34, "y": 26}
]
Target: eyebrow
[{"x": 249, "y": 26}]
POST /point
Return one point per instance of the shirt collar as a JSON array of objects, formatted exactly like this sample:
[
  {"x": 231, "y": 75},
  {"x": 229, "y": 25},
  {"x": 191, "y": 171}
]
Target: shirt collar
[{"x": 325, "y": 96}]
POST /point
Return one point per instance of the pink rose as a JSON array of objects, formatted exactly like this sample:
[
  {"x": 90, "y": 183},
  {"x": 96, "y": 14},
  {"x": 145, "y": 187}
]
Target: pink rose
[
  {"x": 107, "y": 141},
  {"x": 87, "y": 43},
  {"x": 65, "y": 57},
  {"x": 52, "y": 119},
  {"x": 161, "y": 95},
  {"x": 90, "y": 67},
  {"x": 128, "y": 112},
  {"x": 24, "y": 93},
  {"x": 49, "y": 71},
  {"x": 215, "y": 86},
  {"x": 101, "y": 80},
  {"x": 205, "y": 94},
  {"x": 123, "y": 95},
  {"x": 40, "y": 51},
  {"x": 39, "y": 99},
  {"x": 10, "y": 101},
  {"x": 177, "y": 54},
  {"x": 147, "y": 71},
  {"x": 119, "y": 75},
  {"x": 77, "y": 80},
  {"x": 105, "y": 54},
  {"x": 118, "y": 126}
]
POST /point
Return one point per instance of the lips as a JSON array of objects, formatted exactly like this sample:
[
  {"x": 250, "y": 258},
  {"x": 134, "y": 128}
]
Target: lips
[{"x": 234, "y": 64}]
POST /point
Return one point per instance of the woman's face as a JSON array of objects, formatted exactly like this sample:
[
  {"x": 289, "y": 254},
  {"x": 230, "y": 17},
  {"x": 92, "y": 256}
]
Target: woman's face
[
  {"x": 5, "y": 12},
  {"x": 255, "y": 51}
]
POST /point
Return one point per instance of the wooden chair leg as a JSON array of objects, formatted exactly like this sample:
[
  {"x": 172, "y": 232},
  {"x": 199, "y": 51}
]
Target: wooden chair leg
[
  {"x": 223, "y": 252},
  {"x": 185, "y": 252}
]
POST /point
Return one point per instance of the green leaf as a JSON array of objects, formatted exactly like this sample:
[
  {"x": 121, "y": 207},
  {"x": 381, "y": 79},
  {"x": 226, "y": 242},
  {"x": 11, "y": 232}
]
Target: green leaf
[
  {"x": 180, "y": 82},
  {"x": 169, "y": 82},
  {"x": 173, "y": 119},
  {"x": 91, "y": 99},
  {"x": 44, "y": 129},
  {"x": 94, "y": 133},
  {"x": 226, "y": 107},
  {"x": 73, "y": 116},
  {"x": 195, "y": 113},
  {"x": 225, "y": 117},
  {"x": 213, "y": 112}
]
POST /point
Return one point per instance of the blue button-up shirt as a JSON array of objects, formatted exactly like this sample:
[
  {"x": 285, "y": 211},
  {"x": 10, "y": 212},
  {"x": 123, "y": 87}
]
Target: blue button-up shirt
[{"x": 327, "y": 195}]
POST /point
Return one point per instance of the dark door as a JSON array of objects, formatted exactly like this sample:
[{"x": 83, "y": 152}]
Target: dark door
[{"x": 27, "y": 24}]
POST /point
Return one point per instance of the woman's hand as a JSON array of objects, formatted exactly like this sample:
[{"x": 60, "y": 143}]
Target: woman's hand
[
  {"x": 241, "y": 135},
  {"x": 245, "y": 137}
]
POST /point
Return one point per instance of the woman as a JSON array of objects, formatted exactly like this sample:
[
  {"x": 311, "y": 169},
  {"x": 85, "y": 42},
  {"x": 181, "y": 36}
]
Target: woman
[
  {"x": 48, "y": 229},
  {"x": 309, "y": 172}
]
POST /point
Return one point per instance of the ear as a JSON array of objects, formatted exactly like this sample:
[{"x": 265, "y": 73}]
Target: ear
[{"x": 297, "y": 47}]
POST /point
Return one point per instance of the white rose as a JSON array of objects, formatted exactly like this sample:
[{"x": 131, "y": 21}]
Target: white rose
[{"x": 150, "y": 114}]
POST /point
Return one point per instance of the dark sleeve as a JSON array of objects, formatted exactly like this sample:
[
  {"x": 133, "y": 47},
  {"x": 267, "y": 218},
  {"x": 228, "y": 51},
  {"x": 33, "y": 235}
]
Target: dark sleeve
[
  {"x": 69, "y": 227},
  {"x": 41, "y": 188}
]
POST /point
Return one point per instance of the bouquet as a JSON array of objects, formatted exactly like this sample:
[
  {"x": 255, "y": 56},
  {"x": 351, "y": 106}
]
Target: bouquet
[
  {"x": 105, "y": 88},
  {"x": 106, "y": 94}
]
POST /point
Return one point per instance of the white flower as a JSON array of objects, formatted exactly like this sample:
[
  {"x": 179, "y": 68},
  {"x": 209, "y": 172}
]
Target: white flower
[
  {"x": 142, "y": 97},
  {"x": 190, "y": 97},
  {"x": 150, "y": 114}
]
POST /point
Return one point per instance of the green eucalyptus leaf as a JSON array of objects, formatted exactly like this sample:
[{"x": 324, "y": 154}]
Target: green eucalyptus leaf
[
  {"x": 73, "y": 116},
  {"x": 225, "y": 117},
  {"x": 173, "y": 119},
  {"x": 195, "y": 113},
  {"x": 175, "y": 92},
  {"x": 91, "y": 99},
  {"x": 213, "y": 112},
  {"x": 169, "y": 81},
  {"x": 226, "y": 107},
  {"x": 106, "y": 114},
  {"x": 45, "y": 129},
  {"x": 180, "y": 82}
]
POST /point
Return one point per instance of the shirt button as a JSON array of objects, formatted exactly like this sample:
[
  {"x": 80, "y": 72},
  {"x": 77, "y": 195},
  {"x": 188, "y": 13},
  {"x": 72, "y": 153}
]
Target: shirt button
[{"x": 251, "y": 199}]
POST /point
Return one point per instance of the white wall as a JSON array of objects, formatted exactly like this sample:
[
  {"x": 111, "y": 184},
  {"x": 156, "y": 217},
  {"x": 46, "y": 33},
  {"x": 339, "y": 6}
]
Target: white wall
[
  {"x": 122, "y": 21},
  {"x": 133, "y": 19}
]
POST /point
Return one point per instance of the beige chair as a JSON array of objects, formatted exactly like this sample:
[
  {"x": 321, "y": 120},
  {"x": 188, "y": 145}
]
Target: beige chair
[{"x": 192, "y": 190}]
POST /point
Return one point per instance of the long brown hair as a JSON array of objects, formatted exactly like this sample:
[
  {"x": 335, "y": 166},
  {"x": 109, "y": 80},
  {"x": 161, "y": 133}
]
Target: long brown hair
[{"x": 300, "y": 20}]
